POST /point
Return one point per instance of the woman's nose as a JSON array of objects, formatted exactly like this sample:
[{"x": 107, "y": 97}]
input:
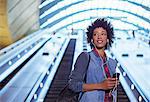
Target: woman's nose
[{"x": 99, "y": 37}]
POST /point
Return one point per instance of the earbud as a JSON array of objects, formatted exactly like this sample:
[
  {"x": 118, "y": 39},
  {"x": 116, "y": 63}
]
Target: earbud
[
  {"x": 93, "y": 43},
  {"x": 107, "y": 40}
]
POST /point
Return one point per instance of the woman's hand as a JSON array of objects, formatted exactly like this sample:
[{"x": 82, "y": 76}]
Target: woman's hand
[{"x": 109, "y": 83}]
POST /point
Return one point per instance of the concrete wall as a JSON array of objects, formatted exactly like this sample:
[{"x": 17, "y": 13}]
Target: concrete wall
[
  {"x": 22, "y": 18},
  {"x": 5, "y": 35}
]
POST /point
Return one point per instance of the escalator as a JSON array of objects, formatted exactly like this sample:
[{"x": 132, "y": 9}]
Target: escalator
[
  {"x": 121, "y": 96},
  {"x": 62, "y": 74}
]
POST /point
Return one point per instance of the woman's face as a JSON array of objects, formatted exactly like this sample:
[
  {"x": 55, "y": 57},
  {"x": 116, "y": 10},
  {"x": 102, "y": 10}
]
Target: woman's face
[{"x": 99, "y": 37}]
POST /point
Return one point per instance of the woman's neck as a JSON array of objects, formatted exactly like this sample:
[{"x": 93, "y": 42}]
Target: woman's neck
[{"x": 101, "y": 52}]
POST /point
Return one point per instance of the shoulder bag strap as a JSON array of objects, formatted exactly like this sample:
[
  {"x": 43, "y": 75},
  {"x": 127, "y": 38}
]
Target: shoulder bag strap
[{"x": 89, "y": 57}]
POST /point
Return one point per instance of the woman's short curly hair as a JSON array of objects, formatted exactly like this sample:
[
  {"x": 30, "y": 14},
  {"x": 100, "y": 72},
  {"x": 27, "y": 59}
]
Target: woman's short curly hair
[{"x": 101, "y": 22}]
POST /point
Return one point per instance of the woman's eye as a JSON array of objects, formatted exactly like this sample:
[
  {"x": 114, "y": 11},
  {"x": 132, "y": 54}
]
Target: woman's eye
[{"x": 95, "y": 34}]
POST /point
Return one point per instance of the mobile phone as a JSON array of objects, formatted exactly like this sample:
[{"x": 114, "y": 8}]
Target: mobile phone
[{"x": 116, "y": 75}]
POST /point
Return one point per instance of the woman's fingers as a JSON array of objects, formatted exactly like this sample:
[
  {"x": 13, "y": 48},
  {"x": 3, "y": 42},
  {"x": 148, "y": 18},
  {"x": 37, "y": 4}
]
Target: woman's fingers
[{"x": 111, "y": 82}]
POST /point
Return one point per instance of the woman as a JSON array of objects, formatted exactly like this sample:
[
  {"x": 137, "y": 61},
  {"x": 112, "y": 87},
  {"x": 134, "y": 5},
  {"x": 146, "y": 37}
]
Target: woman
[{"x": 99, "y": 82}]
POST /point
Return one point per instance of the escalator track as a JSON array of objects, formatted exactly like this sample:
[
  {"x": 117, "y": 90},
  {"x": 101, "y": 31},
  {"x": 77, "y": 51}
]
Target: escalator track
[{"x": 62, "y": 74}]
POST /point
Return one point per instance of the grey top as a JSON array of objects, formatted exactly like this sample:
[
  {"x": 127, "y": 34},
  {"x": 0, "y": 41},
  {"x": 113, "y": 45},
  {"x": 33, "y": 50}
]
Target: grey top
[{"x": 95, "y": 74}]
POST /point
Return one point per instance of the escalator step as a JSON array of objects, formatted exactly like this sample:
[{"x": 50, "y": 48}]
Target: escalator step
[{"x": 121, "y": 97}]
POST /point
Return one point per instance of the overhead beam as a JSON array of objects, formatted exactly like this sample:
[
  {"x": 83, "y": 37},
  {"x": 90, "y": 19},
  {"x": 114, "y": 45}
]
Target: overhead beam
[
  {"x": 65, "y": 26},
  {"x": 74, "y": 13}
]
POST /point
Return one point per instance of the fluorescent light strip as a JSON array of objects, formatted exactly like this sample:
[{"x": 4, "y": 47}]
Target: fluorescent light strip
[{"x": 45, "y": 3}]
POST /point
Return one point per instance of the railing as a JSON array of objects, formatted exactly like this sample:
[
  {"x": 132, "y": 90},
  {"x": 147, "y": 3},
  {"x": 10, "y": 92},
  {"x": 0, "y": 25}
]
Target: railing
[
  {"x": 129, "y": 84},
  {"x": 52, "y": 48},
  {"x": 40, "y": 89},
  {"x": 21, "y": 42},
  {"x": 17, "y": 53}
]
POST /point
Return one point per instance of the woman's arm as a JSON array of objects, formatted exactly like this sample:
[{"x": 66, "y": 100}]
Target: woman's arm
[
  {"x": 76, "y": 78},
  {"x": 107, "y": 84}
]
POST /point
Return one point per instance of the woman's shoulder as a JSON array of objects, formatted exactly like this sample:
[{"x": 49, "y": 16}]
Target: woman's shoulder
[
  {"x": 112, "y": 60},
  {"x": 84, "y": 54},
  {"x": 83, "y": 57}
]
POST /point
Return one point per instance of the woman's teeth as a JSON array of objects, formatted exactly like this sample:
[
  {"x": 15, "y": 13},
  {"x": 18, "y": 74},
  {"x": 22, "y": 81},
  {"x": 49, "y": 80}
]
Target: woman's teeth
[{"x": 100, "y": 41}]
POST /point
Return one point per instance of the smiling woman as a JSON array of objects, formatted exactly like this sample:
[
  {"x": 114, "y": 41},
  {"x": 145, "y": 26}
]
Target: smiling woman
[{"x": 100, "y": 86}]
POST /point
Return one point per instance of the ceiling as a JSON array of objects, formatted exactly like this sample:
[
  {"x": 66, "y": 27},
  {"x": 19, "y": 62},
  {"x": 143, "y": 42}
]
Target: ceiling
[{"x": 78, "y": 14}]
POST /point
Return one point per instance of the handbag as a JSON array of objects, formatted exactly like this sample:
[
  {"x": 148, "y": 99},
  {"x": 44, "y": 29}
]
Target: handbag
[{"x": 67, "y": 95}]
